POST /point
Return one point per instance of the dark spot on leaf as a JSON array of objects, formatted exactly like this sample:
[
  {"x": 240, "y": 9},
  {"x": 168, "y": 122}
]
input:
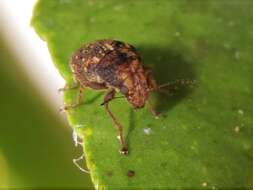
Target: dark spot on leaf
[
  {"x": 109, "y": 173},
  {"x": 163, "y": 164},
  {"x": 131, "y": 173}
]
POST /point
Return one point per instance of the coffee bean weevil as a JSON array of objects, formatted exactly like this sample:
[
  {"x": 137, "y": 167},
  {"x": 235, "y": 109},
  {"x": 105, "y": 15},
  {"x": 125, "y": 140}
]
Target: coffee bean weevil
[{"x": 115, "y": 66}]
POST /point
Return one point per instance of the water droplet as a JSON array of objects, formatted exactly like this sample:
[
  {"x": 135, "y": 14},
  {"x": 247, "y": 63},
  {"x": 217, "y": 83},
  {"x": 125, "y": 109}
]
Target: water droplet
[
  {"x": 147, "y": 131},
  {"x": 177, "y": 34},
  {"x": 204, "y": 184},
  {"x": 227, "y": 45},
  {"x": 240, "y": 111},
  {"x": 247, "y": 146},
  {"x": 237, "y": 129},
  {"x": 237, "y": 55},
  {"x": 92, "y": 20}
]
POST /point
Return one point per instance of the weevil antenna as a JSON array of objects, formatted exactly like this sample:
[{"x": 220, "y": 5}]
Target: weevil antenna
[{"x": 178, "y": 81}]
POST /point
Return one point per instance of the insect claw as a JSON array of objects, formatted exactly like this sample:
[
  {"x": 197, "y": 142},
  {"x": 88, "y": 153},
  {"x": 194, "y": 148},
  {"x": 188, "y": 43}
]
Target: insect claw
[
  {"x": 103, "y": 103},
  {"x": 68, "y": 107},
  {"x": 124, "y": 151}
]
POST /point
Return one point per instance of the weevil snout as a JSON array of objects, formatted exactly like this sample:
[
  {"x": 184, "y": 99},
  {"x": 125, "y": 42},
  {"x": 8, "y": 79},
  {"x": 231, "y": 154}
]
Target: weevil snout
[{"x": 137, "y": 101}]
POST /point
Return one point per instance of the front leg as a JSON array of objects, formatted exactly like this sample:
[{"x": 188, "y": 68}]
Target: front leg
[
  {"x": 108, "y": 97},
  {"x": 153, "y": 110},
  {"x": 93, "y": 85},
  {"x": 78, "y": 101},
  {"x": 67, "y": 87}
]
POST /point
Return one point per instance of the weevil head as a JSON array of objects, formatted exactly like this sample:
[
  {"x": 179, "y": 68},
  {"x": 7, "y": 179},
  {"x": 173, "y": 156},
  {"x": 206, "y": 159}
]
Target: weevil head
[
  {"x": 137, "y": 87},
  {"x": 138, "y": 99},
  {"x": 137, "y": 83}
]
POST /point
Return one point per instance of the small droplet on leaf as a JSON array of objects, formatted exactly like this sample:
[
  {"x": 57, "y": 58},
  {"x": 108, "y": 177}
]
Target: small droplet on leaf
[
  {"x": 237, "y": 55},
  {"x": 227, "y": 45},
  {"x": 177, "y": 34},
  {"x": 214, "y": 188},
  {"x": 240, "y": 111},
  {"x": 147, "y": 131},
  {"x": 237, "y": 129},
  {"x": 92, "y": 20},
  {"x": 204, "y": 184}
]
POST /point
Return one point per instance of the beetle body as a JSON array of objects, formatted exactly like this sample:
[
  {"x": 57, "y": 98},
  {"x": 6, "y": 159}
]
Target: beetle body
[
  {"x": 116, "y": 66},
  {"x": 111, "y": 64}
]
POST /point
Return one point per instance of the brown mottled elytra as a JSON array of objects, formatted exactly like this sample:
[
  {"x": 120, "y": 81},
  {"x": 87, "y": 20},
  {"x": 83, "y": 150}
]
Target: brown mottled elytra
[{"x": 115, "y": 66}]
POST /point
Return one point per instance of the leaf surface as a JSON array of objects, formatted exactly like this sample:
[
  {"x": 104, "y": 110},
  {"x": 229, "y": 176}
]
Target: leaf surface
[{"x": 204, "y": 138}]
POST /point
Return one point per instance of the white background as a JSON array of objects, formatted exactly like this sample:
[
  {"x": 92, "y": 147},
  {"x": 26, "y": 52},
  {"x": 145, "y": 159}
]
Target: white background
[{"x": 15, "y": 26}]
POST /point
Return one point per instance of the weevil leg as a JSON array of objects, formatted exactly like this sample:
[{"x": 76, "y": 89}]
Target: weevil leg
[
  {"x": 67, "y": 87},
  {"x": 113, "y": 99},
  {"x": 152, "y": 109},
  {"x": 78, "y": 101},
  {"x": 108, "y": 97}
]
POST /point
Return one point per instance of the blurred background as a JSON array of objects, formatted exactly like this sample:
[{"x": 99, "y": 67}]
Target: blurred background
[{"x": 36, "y": 146}]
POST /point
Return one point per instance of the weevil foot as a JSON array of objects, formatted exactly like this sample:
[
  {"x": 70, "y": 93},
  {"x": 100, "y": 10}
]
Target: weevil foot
[
  {"x": 67, "y": 87},
  {"x": 157, "y": 116},
  {"x": 124, "y": 151},
  {"x": 155, "y": 113},
  {"x": 68, "y": 107},
  {"x": 153, "y": 110}
]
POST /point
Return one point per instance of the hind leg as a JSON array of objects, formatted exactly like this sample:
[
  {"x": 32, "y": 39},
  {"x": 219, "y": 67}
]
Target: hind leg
[{"x": 108, "y": 97}]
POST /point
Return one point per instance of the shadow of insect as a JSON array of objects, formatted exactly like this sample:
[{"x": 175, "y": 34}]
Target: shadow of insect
[
  {"x": 169, "y": 67},
  {"x": 172, "y": 68}
]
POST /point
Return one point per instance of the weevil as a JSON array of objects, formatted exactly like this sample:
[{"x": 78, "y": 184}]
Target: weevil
[{"x": 114, "y": 66}]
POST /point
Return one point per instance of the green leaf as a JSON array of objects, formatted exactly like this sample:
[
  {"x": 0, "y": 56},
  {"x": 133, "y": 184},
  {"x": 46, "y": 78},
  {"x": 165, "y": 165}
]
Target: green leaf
[{"x": 204, "y": 139}]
